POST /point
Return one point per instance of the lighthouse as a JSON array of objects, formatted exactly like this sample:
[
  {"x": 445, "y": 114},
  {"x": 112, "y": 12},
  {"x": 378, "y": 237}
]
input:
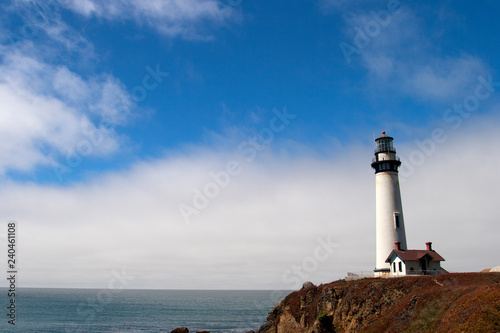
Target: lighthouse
[{"x": 390, "y": 226}]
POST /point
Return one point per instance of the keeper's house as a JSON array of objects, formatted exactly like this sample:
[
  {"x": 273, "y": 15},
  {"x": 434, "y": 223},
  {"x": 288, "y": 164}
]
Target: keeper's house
[{"x": 414, "y": 262}]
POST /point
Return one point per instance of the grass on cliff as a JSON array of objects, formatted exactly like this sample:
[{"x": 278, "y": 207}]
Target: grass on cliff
[
  {"x": 427, "y": 317},
  {"x": 478, "y": 311}
]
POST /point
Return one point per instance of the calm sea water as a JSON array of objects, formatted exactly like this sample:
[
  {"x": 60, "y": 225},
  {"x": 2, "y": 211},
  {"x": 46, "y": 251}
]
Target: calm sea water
[{"x": 88, "y": 310}]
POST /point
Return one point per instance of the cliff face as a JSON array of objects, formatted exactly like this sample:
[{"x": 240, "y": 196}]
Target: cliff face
[{"x": 459, "y": 302}]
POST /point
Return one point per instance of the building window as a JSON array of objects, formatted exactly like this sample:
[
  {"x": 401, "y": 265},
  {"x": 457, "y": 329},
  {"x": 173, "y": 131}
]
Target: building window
[
  {"x": 400, "y": 266},
  {"x": 396, "y": 220},
  {"x": 394, "y": 267}
]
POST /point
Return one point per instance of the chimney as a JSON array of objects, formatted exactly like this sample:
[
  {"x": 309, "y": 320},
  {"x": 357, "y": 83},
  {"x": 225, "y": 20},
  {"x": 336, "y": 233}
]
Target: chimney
[
  {"x": 429, "y": 246},
  {"x": 398, "y": 245}
]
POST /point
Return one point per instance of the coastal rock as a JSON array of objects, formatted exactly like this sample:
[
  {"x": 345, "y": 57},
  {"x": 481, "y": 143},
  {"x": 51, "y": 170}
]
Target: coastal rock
[
  {"x": 180, "y": 330},
  {"x": 458, "y": 302},
  {"x": 203, "y": 332},
  {"x": 307, "y": 284}
]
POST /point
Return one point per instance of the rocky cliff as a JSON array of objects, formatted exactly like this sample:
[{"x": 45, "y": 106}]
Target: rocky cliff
[{"x": 459, "y": 302}]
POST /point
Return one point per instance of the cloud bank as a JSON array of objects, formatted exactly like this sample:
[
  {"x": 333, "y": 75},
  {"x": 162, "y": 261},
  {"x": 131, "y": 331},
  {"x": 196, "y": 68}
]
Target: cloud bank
[{"x": 262, "y": 230}]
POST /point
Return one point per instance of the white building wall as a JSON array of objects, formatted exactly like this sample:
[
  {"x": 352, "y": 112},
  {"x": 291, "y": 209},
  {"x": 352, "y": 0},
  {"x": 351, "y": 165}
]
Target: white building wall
[
  {"x": 395, "y": 264},
  {"x": 433, "y": 268}
]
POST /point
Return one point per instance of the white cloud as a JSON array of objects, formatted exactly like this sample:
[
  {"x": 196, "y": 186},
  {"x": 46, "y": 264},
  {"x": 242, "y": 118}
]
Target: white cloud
[
  {"x": 446, "y": 77},
  {"x": 184, "y": 18},
  {"x": 48, "y": 110},
  {"x": 266, "y": 221},
  {"x": 41, "y": 22},
  {"x": 452, "y": 196},
  {"x": 328, "y": 6},
  {"x": 398, "y": 54}
]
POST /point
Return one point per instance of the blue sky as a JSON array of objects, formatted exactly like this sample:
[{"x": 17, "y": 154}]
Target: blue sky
[
  {"x": 226, "y": 67},
  {"x": 115, "y": 116}
]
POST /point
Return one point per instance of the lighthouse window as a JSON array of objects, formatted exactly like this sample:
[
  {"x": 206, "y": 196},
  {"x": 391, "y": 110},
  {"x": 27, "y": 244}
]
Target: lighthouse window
[
  {"x": 384, "y": 145},
  {"x": 396, "y": 220}
]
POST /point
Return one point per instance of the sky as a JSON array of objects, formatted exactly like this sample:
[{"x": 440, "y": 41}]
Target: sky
[{"x": 226, "y": 144}]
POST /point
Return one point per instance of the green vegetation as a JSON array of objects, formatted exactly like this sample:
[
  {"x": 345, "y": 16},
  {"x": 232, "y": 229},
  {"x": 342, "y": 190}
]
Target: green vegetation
[
  {"x": 427, "y": 317},
  {"x": 322, "y": 317}
]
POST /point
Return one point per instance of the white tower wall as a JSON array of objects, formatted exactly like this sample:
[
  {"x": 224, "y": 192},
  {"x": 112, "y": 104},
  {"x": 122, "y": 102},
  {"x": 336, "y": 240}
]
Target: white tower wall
[
  {"x": 390, "y": 227},
  {"x": 388, "y": 210}
]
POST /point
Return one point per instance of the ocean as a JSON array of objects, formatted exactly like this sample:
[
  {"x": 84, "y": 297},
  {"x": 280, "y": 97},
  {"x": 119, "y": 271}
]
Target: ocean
[{"x": 94, "y": 310}]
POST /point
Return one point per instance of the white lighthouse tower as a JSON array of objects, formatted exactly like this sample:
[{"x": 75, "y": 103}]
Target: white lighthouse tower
[{"x": 390, "y": 226}]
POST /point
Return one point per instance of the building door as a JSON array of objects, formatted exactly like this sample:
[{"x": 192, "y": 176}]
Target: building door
[{"x": 423, "y": 265}]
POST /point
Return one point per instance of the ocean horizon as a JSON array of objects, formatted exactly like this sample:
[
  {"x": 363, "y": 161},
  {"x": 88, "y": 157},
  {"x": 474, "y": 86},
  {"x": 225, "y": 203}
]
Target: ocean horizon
[{"x": 138, "y": 310}]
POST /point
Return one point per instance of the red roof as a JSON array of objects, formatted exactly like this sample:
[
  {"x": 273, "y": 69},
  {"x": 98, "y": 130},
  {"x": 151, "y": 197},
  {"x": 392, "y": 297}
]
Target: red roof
[{"x": 409, "y": 255}]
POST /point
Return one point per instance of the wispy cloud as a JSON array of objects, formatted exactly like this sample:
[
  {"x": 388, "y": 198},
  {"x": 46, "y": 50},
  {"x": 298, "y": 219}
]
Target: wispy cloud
[
  {"x": 47, "y": 110},
  {"x": 399, "y": 54},
  {"x": 185, "y": 18},
  {"x": 40, "y": 22},
  {"x": 329, "y": 6}
]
